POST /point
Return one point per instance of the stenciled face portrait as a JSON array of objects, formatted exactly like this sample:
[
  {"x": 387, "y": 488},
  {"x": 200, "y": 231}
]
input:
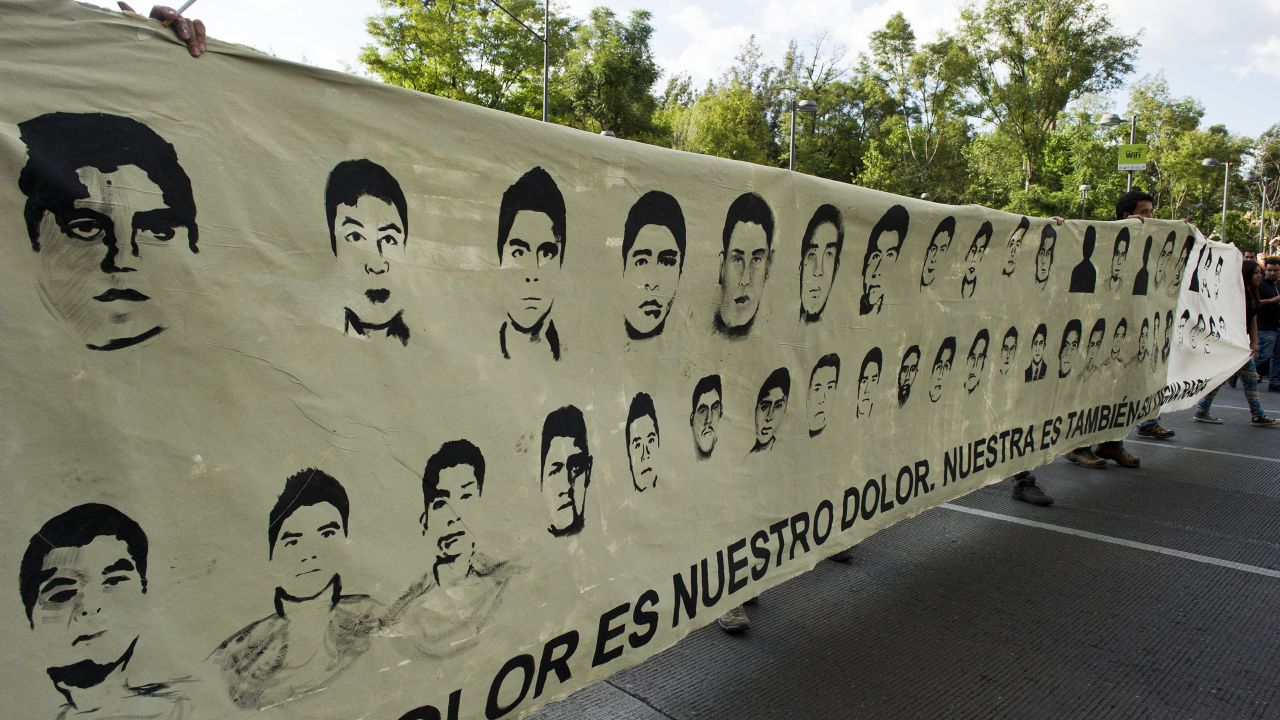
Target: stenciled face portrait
[
  {"x": 868, "y": 381},
  {"x": 819, "y": 261},
  {"x": 938, "y": 246},
  {"x": 642, "y": 443},
  {"x": 566, "y": 473},
  {"x": 111, "y": 213},
  {"x": 1069, "y": 348},
  {"x": 882, "y": 253},
  {"x": 1165, "y": 260},
  {"x": 1117, "y": 342},
  {"x": 444, "y": 524},
  {"x": 744, "y": 263},
  {"x": 305, "y": 555},
  {"x": 941, "y": 366},
  {"x": 531, "y": 255},
  {"x": 89, "y": 603},
  {"x": 1044, "y": 255},
  {"x": 368, "y": 232},
  {"x": 707, "y": 409},
  {"x": 1119, "y": 254},
  {"x": 973, "y": 258},
  {"x": 770, "y": 410},
  {"x": 1015, "y": 246},
  {"x": 823, "y": 382},
  {"x": 1144, "y": 340},
  {"x": 976, "y": 362},
  {"x": 907, "y": 373},
  {"x": 1008, "y": 350},
  {"x": 1038, "y": 345},
  {"x": 1094, "y": 349},
  {"x": 652, "y": 261}
]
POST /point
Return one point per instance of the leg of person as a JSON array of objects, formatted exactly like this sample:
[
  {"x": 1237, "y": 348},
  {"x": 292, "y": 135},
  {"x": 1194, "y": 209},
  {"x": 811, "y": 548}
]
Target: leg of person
[
  {"x": 1026, "y": 490},
  {"x": 1202, "y": 408},
  {"x": 734, "y": 621},
  {"x": 1084, "y": 457},
  {"x": 1116, "y": 452},
  {"x": 1273, "y": 383},
  {"x": 1153, "y": 429},
  {"x": 1266, "y": 349},
  {"x": 1249, "y": 378}
]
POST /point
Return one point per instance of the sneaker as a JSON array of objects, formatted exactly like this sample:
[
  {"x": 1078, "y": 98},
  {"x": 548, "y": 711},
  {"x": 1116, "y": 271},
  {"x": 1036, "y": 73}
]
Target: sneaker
[
  {"x": 1118, "y": 454},
  {"x": 843, "y": 556},
  {"x": 1205, "y": 417},
  {"x": 1157, "y": 431},
  {"x": 1084, "y": 457},
  {"x": 1026, "y": 490},
  {"x": 735, "y": 621},
  {"x": 1264, "y": 421}
]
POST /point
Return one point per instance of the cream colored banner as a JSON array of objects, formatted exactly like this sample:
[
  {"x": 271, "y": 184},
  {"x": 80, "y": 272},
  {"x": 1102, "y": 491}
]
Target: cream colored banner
[{"x": 327, "y": 399}]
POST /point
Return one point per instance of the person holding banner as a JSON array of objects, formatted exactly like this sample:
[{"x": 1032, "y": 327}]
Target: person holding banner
[{"x": 190, "y": 32}]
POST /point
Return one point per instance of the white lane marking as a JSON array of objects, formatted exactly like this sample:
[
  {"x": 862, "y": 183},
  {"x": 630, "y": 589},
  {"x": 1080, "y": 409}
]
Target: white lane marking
[
  {"x": 1203, "y": 450},
  {"x": 1267, "y": 572}
]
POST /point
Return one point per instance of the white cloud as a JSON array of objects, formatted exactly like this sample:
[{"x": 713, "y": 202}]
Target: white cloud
[{"x": 1264, "y": 59}]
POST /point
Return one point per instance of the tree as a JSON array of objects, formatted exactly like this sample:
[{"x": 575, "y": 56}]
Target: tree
[
  {"x": 467, "y": 50},
  {"x": 727, "y": 122},
  {"x": 610, "y": 73},
  {"x": 1030, "y": 58}
]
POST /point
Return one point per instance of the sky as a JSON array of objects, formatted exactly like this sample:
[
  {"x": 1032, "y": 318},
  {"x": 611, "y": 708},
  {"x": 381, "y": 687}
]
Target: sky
[{"x": 1225, "y": 53}]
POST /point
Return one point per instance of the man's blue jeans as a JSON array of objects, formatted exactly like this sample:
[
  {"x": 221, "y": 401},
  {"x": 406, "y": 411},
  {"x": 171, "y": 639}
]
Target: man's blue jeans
[{"x": 1269, "y": 350}]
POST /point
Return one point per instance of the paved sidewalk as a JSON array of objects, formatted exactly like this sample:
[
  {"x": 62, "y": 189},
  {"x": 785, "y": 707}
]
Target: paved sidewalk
[{"x": 1148, "y": 593}]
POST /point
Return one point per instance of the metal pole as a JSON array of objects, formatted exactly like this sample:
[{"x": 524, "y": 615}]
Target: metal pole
[
  {"x": 791, "y": 158},
  {"x": 1262, "y": 204},
  {"x": 546, "y": 53},
  {"x": 1133, "y": 138},
  {"x": 1226, "y": 178}
]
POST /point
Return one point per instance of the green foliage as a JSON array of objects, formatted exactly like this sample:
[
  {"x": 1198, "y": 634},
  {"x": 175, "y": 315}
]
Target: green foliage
[
  {"x": 610, "y": 74},
  {"x": 727, "y": 122},
  {"x": 467, "y": 50},
  {"x": 1031, "y": 58}
]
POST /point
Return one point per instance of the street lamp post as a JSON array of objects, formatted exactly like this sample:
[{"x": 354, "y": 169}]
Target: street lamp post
[
  {"x": 545, "y": 37},
  {"x": 1084, "y": 199},
  {"x": 804, "y": 106},
  {"x": 1262, "y": 208},
  {"x": 1111, "y": 120},
  {"x": 1226, "y": 185}
]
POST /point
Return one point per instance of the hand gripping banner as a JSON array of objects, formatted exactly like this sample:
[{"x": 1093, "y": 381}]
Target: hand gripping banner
[{"x": 327, "y": 399}]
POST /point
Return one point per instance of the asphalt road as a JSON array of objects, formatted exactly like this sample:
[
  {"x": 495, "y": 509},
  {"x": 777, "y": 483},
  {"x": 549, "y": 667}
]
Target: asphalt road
[{"x": 1147, "y": 593}]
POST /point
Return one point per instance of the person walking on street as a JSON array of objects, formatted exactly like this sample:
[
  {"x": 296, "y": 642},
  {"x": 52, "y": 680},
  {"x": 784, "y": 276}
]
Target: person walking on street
[
  {"x": 1269, "y": 323},
  {"x": 1249, "y": 372}
]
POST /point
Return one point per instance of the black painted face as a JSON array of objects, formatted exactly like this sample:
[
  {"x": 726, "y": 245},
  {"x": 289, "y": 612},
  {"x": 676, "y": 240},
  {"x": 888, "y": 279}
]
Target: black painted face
[
  {"x": 104, "y": 263},
  {"x": 652, "y": 274},
  {"x": 822, "y": 392},
  {"x": 370, "y": 245},
  {"x": 531, "y": 255},
  {"x": 89, "y": 606},
  {"x": 706, "y": 414}
]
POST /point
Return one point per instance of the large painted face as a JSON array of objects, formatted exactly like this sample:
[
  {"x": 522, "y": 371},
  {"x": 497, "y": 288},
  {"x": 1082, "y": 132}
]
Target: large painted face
[
  {"x": 89, "y": 605},
  {"x": 531, "y": 254},
  {"x": 371, "y": 241},
  {"x": 565, "y": 475},
  {"x": 744, "y": 269},
  {"x": 642, "y": 445},
  {"x": 1068, "y": 351},
  {"x": 1162, "y": 264},
  {"x": 977, "y": 250},
  {"x": 937, "y": 248},
  {"x": 884, "y": 251},
  {"x": 1117, "y": 341},
  {"x": 1008, "y": 352},
  {"x": 305, "y": 555},
  {"x": 940, "y": 370},
  {"x": 1144, "y": 338},
  {"x": 445, "y": 521},
  {"x": 102, "y": 265},
  {"x": 818, "y": 270},
  {"x": 652, "y": 274},
  {"x": 1118, "y": 256},
  {"x": 769, "y": 412},
  {"x": 867, "y": 382},
  {"x": 1044, "y": 258},
  {"x": 822, "y": 391},
  {"x": 706, "y": 413},
  {"x": 1015, "y": 244}
]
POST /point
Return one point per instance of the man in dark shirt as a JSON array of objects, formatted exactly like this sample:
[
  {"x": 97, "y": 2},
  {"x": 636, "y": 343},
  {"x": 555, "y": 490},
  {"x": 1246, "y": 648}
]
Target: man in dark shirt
[{"x": 1269, "y": 324}]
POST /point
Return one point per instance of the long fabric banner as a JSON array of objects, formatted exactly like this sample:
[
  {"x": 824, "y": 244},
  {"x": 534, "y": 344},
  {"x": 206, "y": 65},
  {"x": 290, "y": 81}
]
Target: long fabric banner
[{"x": 327, "y": 399}]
